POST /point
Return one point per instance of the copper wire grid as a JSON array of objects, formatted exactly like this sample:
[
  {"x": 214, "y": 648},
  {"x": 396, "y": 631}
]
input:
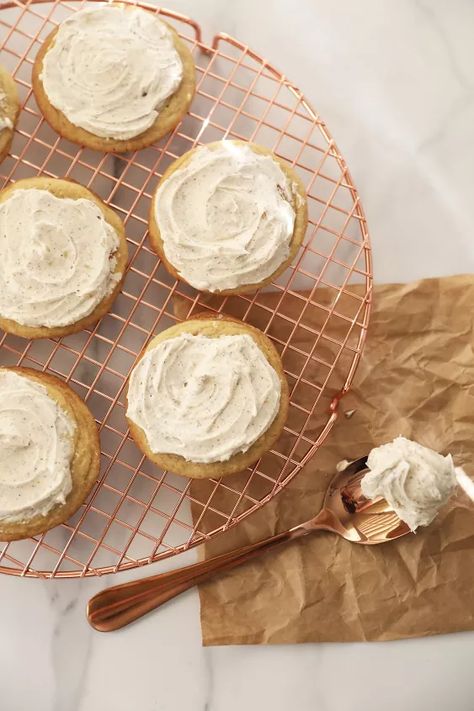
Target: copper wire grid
[{"x": 138, "y": 514}]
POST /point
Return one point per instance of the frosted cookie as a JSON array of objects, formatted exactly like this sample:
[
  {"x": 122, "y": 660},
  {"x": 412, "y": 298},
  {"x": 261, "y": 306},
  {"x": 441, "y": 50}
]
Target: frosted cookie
[
  {"x": 9, "y": 111},
  {"x": 207, "y": 398},
  {"x": 49, "y": 452},
  {"x": 228, "y": 217},
  {"x": 114, "y": 78},
  {"x": 63, "y": 254}
]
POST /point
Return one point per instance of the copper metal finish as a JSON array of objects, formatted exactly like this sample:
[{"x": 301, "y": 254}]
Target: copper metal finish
[
  {"x": 138, "y": 514},
  {"x": 366, "y": 522}
]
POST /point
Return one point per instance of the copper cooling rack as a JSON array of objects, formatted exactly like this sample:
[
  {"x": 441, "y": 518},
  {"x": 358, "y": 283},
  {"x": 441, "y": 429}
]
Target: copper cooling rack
[{"x": 138, "y": 514}]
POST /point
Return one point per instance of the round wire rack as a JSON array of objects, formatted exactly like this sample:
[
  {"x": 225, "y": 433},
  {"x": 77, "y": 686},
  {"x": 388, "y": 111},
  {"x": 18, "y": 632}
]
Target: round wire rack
[{"x": 316, "y": 313}]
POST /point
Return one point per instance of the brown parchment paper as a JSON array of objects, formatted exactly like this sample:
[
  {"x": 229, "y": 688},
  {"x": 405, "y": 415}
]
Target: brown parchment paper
[{"x": 416, "y": 378}]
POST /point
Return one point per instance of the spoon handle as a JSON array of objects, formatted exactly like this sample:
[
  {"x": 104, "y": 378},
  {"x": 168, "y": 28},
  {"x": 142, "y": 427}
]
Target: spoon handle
[{"x": 117, "y": 606}]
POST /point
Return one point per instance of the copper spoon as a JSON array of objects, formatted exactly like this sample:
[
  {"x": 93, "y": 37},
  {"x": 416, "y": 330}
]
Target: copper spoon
[{"x": 345, "y": 512}]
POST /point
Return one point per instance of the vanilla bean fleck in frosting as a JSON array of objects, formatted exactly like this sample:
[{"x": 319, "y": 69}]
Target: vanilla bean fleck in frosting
[
  {"x": 226, "y": 217},
  {"x": 111, "y": 69},
  {"x": 56, "y": 258},
  {"x": 203, "y": 398},
  {"x": 36, "y": 449}
]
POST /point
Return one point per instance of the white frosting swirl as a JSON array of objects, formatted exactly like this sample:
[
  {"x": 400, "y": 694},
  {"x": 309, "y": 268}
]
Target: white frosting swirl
[
  {"x": 36, "y": 449},
  {"x": 415, "y": 480},
  {"x": 203, "y": 398},
  {"x": 226, "y": 218},
  {"x": 56, "y": 258},
  {"x": 111, "y": 69}
]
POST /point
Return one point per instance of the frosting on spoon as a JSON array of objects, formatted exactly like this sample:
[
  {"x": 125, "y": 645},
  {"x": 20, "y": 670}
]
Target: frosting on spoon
[{"x": 415, "y": 480}]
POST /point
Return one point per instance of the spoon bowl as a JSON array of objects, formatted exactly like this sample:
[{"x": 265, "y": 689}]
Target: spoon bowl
[{"x": 366, "y": 521}]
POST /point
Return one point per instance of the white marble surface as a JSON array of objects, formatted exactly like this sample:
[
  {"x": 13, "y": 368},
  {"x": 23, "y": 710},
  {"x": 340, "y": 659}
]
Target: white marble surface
[{"x": 394, "y": 82}]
